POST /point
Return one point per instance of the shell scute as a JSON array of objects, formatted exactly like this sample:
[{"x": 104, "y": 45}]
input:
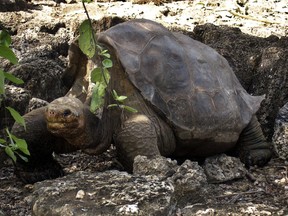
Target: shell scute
[{"x": 189, "y": 82}]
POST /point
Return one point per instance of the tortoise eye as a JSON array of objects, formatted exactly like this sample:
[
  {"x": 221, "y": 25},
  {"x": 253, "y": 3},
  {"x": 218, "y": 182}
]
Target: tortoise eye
[{"x": 66, "y": 112}]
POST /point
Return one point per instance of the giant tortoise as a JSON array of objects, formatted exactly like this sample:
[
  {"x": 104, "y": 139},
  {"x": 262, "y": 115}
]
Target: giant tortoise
[{"x": 190, "y": 105}]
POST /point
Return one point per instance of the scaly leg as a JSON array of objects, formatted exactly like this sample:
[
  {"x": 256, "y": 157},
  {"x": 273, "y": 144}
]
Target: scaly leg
[
  {"x": 137, "y": 136},
  {"x": 252, "y": 145},
  {"x": 41, "y": 144}
]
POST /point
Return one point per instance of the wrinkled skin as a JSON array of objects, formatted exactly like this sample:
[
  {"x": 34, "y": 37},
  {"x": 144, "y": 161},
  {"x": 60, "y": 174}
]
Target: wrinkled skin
[
  {"x": 65, "y": 117},
  {"x": 62, "y": 126},
  {"x": 190, "y": 105}
]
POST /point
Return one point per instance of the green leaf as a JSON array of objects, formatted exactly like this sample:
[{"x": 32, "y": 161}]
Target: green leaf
[
  {"x": 112, "y": 105},
  {"x": 98, "y": 47},
  {"x": 121, "y": 98},
  {"x": 114, "y": 94},
  {"x": 118, "y": 98},
  {"x": 22, "y": 157},
  {"x": 21, "y": 144},
  {"x": 107, "y": 63},
  {"x": 2, "y": 141},
  {"x": 2, "y": 84},
  {"x": 97, "y": 76},
  {"x": 10, "y": 136},
  {"x": 5, "y": 38},
  {"x": 86, "y": 41},
  {"x": 17, "y": 117},
  {"x": 97, "y": 100},
  {"x": 7, "y": 53},
  {"x": 10, "y": 153},
  {"x": 105, "y": 53},
  {"x": 130, "y": 109},
  {"x": 13, "y": 78},
  {"x": 106, "y": 74}
]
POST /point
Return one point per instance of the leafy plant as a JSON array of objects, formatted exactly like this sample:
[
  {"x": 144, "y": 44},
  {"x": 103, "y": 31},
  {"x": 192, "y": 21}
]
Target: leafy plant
[
  {"x": 14, "y": 145},
  {"x": 100, "y": 75},
  {"x": 120, "y": 99}
]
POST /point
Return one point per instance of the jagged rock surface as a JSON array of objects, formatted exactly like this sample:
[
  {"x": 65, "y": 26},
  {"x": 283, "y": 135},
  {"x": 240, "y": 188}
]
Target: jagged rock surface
[
  {"x": 42, "y": 78},
  {"x": 119, "y": 193},
  {"x": 35, "y": 103},
  {"x": 44, "y": 29},
  {"x": 160, "y": 166},
  {"x": 222, "y": 168},
  {"x": 16, "y": 97},
  {"x": 107, "y": 193},
  {"x": 280, "y": 137}
]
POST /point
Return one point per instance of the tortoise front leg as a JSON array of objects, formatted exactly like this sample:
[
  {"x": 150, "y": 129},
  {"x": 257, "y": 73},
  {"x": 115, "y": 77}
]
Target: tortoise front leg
[
  {"x": 137, "y": 136},
  {"x": 252, "y": 145},
  {"x": 41, "y": 144}
]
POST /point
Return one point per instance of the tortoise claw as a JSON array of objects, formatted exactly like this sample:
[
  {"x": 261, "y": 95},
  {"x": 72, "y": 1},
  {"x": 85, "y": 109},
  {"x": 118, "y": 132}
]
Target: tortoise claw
[
  {"x": 30, "y": 175},
  {"x": 258, "y": 157}
]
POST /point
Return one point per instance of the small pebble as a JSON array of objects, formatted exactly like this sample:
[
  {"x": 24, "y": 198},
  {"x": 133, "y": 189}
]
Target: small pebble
[{"x": 80, "y": 194}]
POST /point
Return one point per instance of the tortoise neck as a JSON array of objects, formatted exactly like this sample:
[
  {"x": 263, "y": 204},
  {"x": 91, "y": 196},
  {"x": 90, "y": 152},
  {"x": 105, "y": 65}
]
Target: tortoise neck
[
  {"x": 102, "y": 131},
  {"x": 108, "y": 124},
  {"x": 90, "y": 135}
]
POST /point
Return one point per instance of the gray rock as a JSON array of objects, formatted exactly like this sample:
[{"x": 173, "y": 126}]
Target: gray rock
[
  {"x": 190, "y": 183},
  {"x": 13, "y": 5},
  {"x": 211, "y": 210},
  {"x": 189, "y": 176},
  {"x": 160, "y": 166},
  {"x": 7, "y": 2},
  {"x": 17, "y": 98},
  {"x": 42, "y": 77},
  {"x": 35, "y": 103},
  {"x": 280, "y": 137},
  {"x": 189, "y": 179},
  {"x": 222, "y": 168},
  {"x": 156, "y": 2},
  {"x": 107, "y": 193},
  {"x": 119, "y": 193}
]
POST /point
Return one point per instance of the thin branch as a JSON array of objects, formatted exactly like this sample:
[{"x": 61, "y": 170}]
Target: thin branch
[
  {"x": 253, "y": 18},
  {"x": 97, "y": 50}
]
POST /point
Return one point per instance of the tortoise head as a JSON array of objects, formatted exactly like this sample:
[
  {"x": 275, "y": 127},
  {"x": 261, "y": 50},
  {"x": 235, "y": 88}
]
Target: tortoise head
[{"x": 65, "y": 117}]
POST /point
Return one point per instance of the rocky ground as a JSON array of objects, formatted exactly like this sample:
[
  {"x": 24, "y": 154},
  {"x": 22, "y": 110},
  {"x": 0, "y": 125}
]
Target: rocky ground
[{"x": 263, "y": 191}]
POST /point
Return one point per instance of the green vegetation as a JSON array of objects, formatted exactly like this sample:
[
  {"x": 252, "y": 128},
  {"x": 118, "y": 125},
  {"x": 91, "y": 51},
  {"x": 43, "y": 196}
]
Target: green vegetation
[
  {"x": 100, "y": 75},
  {"x": 14, "y": 146}
]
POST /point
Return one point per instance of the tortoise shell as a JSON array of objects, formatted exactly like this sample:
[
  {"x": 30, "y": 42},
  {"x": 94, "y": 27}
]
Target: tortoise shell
[{"x": 189, "y": 82}]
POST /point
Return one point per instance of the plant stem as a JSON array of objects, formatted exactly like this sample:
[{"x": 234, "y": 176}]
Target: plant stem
[{"x": 97, "y": 50}]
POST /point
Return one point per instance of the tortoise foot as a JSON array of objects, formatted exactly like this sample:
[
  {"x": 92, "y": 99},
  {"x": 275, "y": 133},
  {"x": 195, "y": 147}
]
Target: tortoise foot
[
  {"x": 30, "y": 175},
  {"x": 258, "y": 157}
]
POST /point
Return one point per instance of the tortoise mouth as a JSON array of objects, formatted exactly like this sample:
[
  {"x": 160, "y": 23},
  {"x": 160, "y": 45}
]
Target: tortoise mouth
[
  {"x": 62, "y": 126},
  {"x": 65, "y": 129}
]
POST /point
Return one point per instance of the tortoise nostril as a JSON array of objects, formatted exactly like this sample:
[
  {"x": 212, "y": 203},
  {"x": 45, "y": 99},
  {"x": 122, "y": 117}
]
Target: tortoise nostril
[
  {"x": 50, "y": 112},
  {"x": 66, "y": 112}
]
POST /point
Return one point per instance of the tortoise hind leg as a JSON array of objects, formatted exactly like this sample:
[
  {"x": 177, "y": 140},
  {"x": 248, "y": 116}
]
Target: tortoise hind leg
[{"x": 252, "y": 145}]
